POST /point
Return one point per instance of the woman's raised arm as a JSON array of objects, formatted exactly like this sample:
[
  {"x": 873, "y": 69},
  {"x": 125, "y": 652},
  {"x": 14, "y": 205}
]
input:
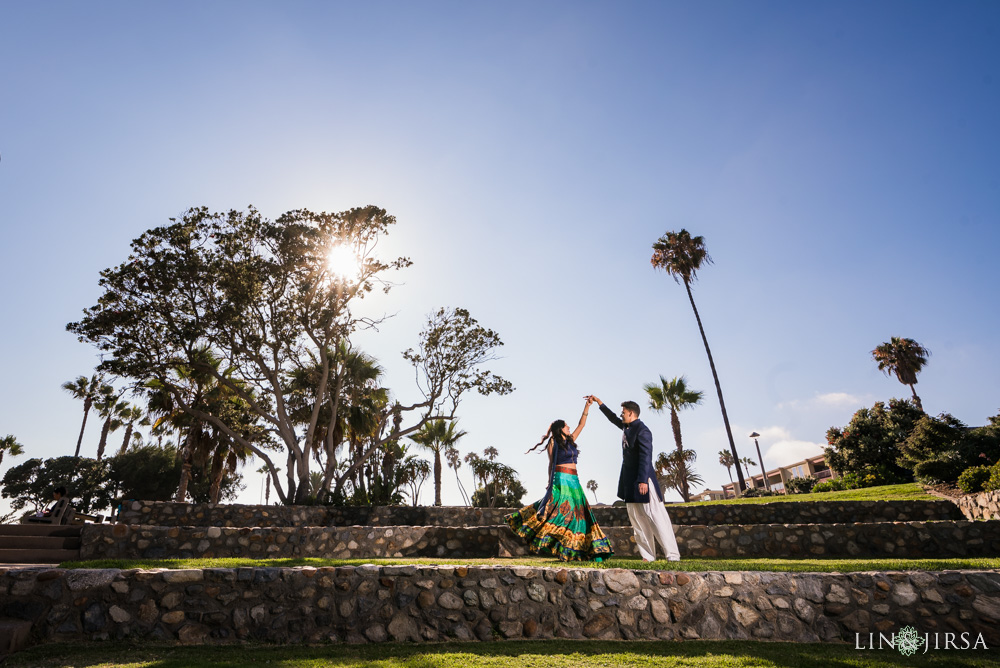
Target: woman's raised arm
[{"x": 583, "y": 418}]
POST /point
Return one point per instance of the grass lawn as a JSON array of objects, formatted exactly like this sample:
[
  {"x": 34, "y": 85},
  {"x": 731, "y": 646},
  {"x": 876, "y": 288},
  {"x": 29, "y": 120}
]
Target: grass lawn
[
  {"x": 511, "y": 654},
  {"x": 689, "y": 565},
  {"x": 908, "y": 492}
]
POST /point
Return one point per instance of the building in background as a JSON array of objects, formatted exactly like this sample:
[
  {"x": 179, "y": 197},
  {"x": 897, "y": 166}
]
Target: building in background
[{"x": 811, "y": 467}]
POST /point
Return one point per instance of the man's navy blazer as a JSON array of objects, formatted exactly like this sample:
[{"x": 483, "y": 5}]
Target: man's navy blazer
[{"x": 637, "y": 459}]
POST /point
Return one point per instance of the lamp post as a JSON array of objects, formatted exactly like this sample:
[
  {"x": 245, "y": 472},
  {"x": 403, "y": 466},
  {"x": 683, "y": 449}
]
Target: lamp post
[{"x": 763, "y": 470}]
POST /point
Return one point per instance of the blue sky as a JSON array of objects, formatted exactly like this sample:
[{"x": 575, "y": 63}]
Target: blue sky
[{"x": 840, "y": 160}]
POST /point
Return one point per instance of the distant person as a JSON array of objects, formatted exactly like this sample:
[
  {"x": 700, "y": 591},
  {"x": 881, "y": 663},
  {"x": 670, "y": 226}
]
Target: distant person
[
  {"x": 637, "y": 484},
  {"x": 561, "y": 523},
  {"x": 57, "y": 494}
]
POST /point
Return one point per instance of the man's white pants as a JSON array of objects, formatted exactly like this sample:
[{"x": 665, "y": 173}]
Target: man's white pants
[{"x": 651, "y": 523}]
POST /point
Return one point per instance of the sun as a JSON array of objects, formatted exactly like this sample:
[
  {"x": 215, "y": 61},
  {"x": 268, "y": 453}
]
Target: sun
[{"x": 343, "y": 262}]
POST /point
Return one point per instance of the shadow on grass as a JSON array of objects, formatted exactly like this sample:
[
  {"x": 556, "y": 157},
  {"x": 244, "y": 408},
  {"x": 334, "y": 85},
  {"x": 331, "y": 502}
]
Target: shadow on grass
[{"x": 511, "y": 654}]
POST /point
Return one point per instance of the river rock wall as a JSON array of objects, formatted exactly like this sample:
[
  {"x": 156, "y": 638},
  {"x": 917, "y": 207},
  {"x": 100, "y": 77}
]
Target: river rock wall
[
  {"x": 982, "y": 506},
  {"x": 426, "y": 603},
  {"x": 910, "y": 540},
  {"x": 161, "y": 513}
]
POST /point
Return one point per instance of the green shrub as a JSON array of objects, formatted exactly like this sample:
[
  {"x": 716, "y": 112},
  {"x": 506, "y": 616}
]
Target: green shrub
[
  {"x": 993, "y": 484},
  {"x": 974, "y": 479},
  {"x": 756, "y": 492},
  {"x": 835, "y": 485},
  {"x": 942, "y": 469},
  {"x": 801, "y": 485}
]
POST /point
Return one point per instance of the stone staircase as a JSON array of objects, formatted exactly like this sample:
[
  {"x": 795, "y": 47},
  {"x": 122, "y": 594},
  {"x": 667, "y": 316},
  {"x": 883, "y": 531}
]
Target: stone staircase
[{"x": 39, "y": 543}]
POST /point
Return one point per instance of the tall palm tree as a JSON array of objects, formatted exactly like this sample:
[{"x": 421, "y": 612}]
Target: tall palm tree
[
  {"x": 110, "y": 407},
  {"x": 592, "y": 486},
  {"x": 438, "y": 436},
  {"x": 675, "y": 395},
  {"x": 681, "y": 256},
  {"x": 726, "y": 459},
  {"x": 455, "y": 462},
  {"x": 10, "y": 446},
  {"x": 904, "y": 358},
  {"x": 87, "y": 389},
  {"x": 130, "y": 415}
]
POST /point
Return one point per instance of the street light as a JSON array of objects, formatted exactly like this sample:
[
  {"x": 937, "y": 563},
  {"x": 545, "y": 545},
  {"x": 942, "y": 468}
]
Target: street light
[{"x": 763, "y": 471}]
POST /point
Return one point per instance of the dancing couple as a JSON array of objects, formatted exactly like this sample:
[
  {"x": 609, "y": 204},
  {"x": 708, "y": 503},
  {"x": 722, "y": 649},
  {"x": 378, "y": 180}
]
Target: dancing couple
[{"x": 561, "y": 523}]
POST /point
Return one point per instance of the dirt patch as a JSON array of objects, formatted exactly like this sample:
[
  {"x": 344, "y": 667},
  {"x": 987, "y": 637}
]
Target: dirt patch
[{"x": 944, "y": 490}]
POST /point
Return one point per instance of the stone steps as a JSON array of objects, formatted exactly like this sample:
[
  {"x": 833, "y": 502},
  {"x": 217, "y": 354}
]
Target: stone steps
[
  {"x": 859, "y": 540},
  {"x": 39, "y": 544}
]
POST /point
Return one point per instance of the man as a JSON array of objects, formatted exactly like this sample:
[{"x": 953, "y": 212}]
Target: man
[{"x": 637, "y": 484}]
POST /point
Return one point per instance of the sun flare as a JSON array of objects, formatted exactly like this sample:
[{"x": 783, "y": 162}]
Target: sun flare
[{"x": 343, "y": 262}]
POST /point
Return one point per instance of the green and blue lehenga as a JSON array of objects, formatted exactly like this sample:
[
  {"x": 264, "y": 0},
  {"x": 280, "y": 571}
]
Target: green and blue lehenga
[{"x": 561, "y": 523}]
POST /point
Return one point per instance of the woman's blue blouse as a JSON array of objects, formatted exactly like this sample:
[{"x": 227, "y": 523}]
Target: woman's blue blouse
[{"x": 567, "y": 454}]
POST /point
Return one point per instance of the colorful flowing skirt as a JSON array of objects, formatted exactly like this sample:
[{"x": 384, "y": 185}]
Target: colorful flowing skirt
[{"x": 561, "y": 523}]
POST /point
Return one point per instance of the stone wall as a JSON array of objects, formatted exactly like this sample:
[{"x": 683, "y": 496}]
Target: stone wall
[
  {"x": 423, "y": 603},
  {"x": 778, "y": 512},
  {"x": 899, "y": 540},
  {"x": 982, "y": 506}
]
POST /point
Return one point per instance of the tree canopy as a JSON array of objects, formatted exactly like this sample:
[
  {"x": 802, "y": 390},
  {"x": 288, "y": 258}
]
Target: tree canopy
[{"x": 268, "y": 299}]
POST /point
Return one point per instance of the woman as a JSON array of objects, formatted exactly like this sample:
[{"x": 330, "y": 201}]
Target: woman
[{"x": 562, "y": 523}]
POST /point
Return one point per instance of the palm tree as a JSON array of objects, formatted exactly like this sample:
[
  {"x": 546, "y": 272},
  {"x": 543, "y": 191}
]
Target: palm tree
[
  {"x": 681, "y": 256},
  {"x": 727, "y": 460},
  {"x": 904, "y": 358},
  {"x": 111, "y": 408},
  {"x": 130, "y": 415},
  {"x": 747, "y": 463},
  {"x": 88, "y": 390},
  {"x": 592, "y": 486},
  {"x": 674, "y": 470},
  {"x": 415, "y": 472},
  {"x": 10, "y": 446},
  {"x": 455, "y": 462},
  {"x": 673, "y": 393},
  {"x": 202, "y": 440},
  {"x": 436, "y": 436}
]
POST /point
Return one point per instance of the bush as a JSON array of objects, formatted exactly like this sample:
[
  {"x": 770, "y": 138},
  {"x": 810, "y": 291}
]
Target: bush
[
  {"x": 757, "y": 492},
  {"x": 993, "y": 484},
  {"x": 835, "y": 485},
  {"x": 974, "y": 479},
  {"x": 801, "y": 485},
  {"x": 943, "y": 469}
]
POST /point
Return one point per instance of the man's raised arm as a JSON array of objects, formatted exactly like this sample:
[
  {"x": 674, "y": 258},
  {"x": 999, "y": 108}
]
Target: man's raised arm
[{"x": 608, "y": 413}]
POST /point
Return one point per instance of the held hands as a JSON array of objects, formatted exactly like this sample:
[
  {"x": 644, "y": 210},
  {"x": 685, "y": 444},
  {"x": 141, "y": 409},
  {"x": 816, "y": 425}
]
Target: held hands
[{"x": 592, "y": 398}]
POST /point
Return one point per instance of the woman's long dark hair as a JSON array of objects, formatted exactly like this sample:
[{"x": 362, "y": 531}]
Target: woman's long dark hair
[{"x": 555, "y": 434}]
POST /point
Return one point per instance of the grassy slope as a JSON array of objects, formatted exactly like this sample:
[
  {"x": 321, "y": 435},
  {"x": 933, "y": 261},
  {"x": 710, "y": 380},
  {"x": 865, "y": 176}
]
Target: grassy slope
[
  {"x": 512, "y": 654},
  {"x": 689, "y": 565},
  {"x": 908, "y": 492}
]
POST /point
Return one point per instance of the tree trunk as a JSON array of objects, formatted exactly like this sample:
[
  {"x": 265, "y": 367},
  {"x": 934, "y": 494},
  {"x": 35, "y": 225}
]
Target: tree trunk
[
  {"x": 104, "y": 439},
  {"x": 128, "y": 435},
  {"x": 916, "y": 399},
  {"x": 218, "y": 471},
  {"x": 718, "y": 387},
  {"x": 186, "y": 454},
  {"x": 675, "y": 424},
  {"x": 461, "y": 489},
  {"x": 86, "y": 411},
  {"x": 729, "y": 470},
  {"x": 437, "y": 477}
]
